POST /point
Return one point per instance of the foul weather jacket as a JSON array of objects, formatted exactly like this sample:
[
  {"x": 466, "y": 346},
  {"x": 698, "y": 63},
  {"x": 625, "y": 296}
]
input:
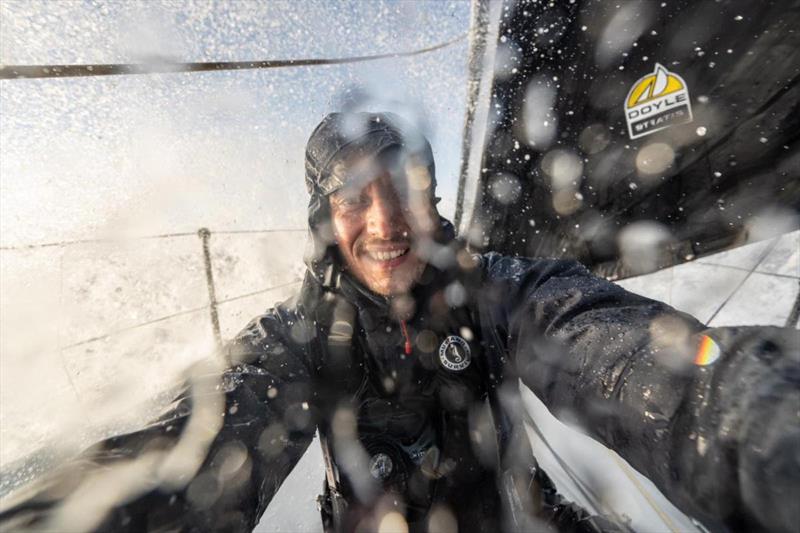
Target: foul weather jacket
[{"x": 709, "y": 415}]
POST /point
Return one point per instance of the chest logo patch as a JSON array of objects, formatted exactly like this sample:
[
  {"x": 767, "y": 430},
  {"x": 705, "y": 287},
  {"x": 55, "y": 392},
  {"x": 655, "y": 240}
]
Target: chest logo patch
[
  {"x": 657, "y": 101},
  {"x": 454, "y": 353}
]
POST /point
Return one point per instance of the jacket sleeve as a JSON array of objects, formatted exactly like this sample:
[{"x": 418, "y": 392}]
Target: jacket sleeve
[
  {"x": 718, "y": 436},
  {"x": 246, "y": 428}
]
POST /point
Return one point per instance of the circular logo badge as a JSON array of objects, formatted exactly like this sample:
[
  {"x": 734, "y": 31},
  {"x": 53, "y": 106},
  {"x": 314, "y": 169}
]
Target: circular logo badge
[
  {"x": 454, "y": 353},
  {"x": 381, "y": 466}
]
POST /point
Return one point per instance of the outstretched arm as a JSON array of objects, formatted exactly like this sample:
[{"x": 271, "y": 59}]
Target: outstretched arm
[
  {"x": 212, "y": 462},
  {"x": 718, "y": 437}
]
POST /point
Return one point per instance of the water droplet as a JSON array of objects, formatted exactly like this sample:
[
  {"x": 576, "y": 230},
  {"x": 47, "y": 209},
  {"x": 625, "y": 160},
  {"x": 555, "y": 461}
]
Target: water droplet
[
  {"x": 505, "y": 188},
  {"x": 701, "y": 131},
  {"x": 654, "y": 158},
  {"x": 564, "y": 168}
]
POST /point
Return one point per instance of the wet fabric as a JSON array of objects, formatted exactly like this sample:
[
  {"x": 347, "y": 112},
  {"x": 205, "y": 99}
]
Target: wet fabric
[
  {"x": 564, "y": 73},
  {"x": 346, "y": 136},
  {"x": 719, "y": 440},
  {"x": 413, "y": 410}
]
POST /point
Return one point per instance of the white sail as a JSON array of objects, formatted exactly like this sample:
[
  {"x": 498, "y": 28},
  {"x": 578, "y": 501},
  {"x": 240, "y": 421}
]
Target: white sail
[{"x": 662, "y": 78}]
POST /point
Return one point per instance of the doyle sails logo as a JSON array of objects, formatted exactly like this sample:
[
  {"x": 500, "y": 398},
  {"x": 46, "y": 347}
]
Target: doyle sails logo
[{"x": 657, "y": 101}]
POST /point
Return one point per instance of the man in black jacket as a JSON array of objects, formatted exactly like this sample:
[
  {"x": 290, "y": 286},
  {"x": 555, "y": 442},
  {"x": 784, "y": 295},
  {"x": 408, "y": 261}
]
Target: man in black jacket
[{"x": 399, "y": 344}]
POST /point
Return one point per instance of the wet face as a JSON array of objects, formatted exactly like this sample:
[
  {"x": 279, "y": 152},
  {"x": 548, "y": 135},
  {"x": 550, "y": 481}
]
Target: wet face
[{"x": 377, "y": 235}]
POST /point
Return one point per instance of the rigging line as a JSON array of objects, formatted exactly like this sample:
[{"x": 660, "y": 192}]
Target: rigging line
[
  {"x": 92, "y": 241},
  {"x": 179, "y": 313},
  {"x": 161, "y": 65},
  {"x": 239, "y": 297},
  {"x": 143, "y": 237},
  {"x": 135, "y": 326},
  {"x": 240, "y": 231}
]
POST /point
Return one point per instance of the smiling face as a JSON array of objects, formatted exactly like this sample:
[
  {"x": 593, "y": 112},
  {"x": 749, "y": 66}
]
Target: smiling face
[{"x": 376, "y": 235}]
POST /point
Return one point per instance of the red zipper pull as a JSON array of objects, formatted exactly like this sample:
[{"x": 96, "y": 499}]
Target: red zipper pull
[{"x": 405, "y": 334}]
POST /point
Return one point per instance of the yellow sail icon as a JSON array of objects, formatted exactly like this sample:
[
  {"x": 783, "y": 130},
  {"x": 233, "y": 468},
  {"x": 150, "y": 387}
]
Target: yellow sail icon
[
  {"x": 657, "y": 101},
  {"x": 660, "y": 83}
]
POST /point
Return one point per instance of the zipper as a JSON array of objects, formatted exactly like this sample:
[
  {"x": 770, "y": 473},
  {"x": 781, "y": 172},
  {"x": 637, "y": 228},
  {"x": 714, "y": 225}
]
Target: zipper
[{"x": 404, "y": 328}]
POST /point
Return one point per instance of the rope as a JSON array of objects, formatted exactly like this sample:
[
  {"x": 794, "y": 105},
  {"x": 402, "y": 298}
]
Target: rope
[{"x": 10, "y": 72}]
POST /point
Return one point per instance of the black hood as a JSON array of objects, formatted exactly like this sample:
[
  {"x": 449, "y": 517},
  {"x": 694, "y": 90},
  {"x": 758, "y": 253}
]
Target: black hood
[{"x": 338, "y": 138}]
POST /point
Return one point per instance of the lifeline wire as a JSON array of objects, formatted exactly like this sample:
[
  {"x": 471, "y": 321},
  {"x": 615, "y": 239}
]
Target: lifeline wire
[
  {"x": 204, "y": 234},
  {"x": 173, "y": 315},
  {"x": 144, "y": 237},
  {"x": 161, "y": 65}
]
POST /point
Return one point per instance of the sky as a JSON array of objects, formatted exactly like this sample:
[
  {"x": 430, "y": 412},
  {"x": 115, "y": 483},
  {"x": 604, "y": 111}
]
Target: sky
[
  {"x": 96, "y": 157},
  {"x": 85, "y": 157}
]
